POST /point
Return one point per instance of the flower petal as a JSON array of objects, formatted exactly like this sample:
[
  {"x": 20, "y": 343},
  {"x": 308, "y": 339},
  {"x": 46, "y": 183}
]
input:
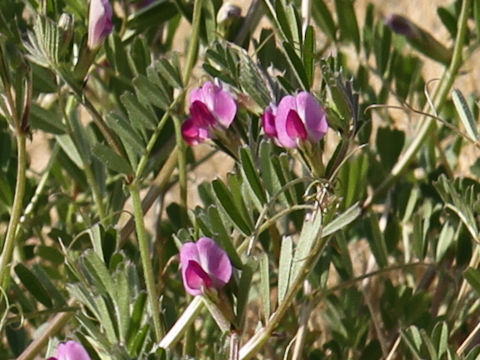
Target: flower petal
[
  {"x": 215, "y": 261},
  {"x": 286, "y": 104},
  {"x": 201, "y": 115},
  {"x": 295, "y": 127},
  {"x": 312, "y": 115},
  {"x": 72, "y": 350},
  {"x": 196, "y": 278},
  {"x": 224, "y": 108},
  {"x": 268, "y": 122},
  {"x": 192, "y": 134},
  {"x": 188, "y": 253}
]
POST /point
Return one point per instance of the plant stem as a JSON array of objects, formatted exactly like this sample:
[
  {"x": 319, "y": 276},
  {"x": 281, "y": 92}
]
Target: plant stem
[
  {"x": 142, "y": 164},
  {"x": 193, "y": 46},
  {"x": 17, "y": 208},
  {"x": 41, "y": 341},
  {"x": 145, "y": 257},
  {"x": 428, "y": 123},
  {"x": 177, "y": 330},
  {"x": 182, "y": 167}
]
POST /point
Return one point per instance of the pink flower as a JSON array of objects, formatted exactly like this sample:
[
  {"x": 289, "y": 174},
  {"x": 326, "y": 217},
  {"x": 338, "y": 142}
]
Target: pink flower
[
  {"x": 298, "y": 119},
  {"x": 268, "y": 121},
  {"x": 99, "y": 22},
  {"x": 71, "y": 350},
  {"x": 204, "y": 265},
  {"x": 210, "y": 108}
]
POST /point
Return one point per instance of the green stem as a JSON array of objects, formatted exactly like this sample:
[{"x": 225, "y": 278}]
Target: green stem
[
  {"x": 428, "y": 123},
  {"x": 143, "y": 245},
  {"x": 182, "y": 167},
  {"x": 193, "y": 46},
  {"x": 142, "y": 164},
  {"x": 17, "y": 208}
]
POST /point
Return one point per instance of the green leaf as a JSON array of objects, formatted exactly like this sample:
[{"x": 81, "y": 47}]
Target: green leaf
[
  {"x": 377, "y": 241},
  {"x": 476, "y": 16},
  {"x": 66, "y": 143},
  {"x": 46, "y": 120},
  {"x": 285, "y": 267},
  {"x": 150, "y": 93},
  {"x": 440, "y": 337},
  {"x": 225, "y": 199},
  {"x": 381, "y": 44},
  {"x": 310, "y": 234},
  {"x": 223, "y": 237},
  {"x": 465, "y": 114},
  {"x": 126, "y": 132},
  {"x": 244, "y": 288},
  {"x": 122, "y": 302},
  {"x": 342, "y": 220},
  {"x": 347, "y": 21},
  {"x": 389, "y": 144},
  {"x": 151, "y": 16},
  {"x": 252, "y": 178},
  {"x": 169, "y": 73},
  {"x": 138, "y": 312},
  {"x": 413, "y": 339},
  {"x": 309, "y": 54},
  {"x": 323, "y": 18},
  {"x": 140, "y": 116},
  {"x": 111, "y": 159},
  {"x": 473, "y": 277},
  {"x": 33, "y": 285},
  {"x": 445, "y": 240},
  {"x": 281, "y": 17},
  {"x": 98, "y": 272},
  {"x": 265, "y": 285},
  {"x": 296, "y": 65}
]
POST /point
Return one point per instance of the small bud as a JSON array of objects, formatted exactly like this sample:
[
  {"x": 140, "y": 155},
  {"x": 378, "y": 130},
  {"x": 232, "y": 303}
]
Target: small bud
[{"x": 99, "y": 22}]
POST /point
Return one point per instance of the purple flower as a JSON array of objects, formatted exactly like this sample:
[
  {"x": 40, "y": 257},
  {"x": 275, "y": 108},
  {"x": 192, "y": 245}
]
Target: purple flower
[
  {"x": 99, "y": 22},
  {"x": 71, "y": 350},
  {"x": 210, "y": 108},
  {"x": 297, "y": 119},
  {"x": 205, "y": 265}
]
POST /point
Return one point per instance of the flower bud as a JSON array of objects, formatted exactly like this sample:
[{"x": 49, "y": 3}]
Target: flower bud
[{"x": 99, "y": 22}]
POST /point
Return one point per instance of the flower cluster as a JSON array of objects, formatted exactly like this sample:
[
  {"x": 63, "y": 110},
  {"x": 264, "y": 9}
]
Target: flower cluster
[
  {"x": 211, "y": 109},
  {"x": 71, "y": 350},
  {"x": 295, "y": 120}
]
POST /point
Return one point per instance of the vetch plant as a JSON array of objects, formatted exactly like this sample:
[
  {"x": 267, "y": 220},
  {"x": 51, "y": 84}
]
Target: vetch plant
[{"x": 301, "y": 245}]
